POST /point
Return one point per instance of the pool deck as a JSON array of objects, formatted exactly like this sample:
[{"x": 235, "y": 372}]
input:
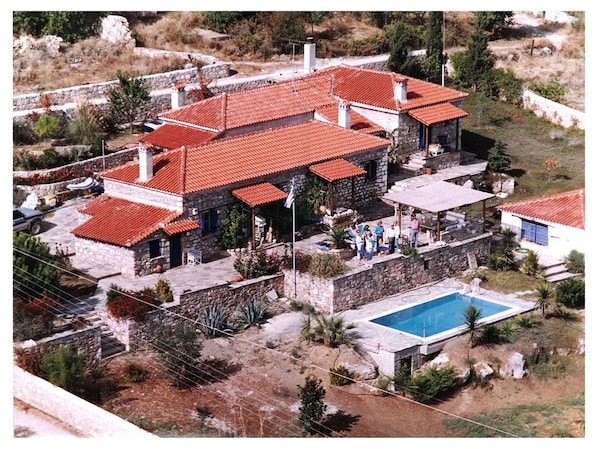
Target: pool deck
[{"x": 374, "y": 337}]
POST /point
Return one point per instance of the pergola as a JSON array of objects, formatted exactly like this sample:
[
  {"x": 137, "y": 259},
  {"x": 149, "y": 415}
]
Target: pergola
[
  {"x": 437, "y": 197},
  {"x": 337, "y": 170},
  {"x": 258, "y": 195}
]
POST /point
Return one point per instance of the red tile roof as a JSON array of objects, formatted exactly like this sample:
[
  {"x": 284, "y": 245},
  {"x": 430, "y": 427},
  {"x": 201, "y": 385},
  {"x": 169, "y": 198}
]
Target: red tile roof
[
  {"x": 172, "y": 136},
  {"x": 376, "y": 88},
  {"x": 336, "y": 170},
  {"x": 263, "y": 104},
  {"x": 248, "y": 157},
  {"x": 358, "y": 121},
  {"x": 180, "y": 226},
  {"x": 567, "y": 208},
  {"x": 437, "y": 113},
  {"x": 121, "y": 222},
  {"x": 259, "y": 194}
]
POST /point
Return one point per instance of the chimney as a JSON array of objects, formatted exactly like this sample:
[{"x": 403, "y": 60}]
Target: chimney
[
  {"x": 309, "y": 55},
  {"x": 177, "y": 98},
  {"x": 344, "y": 114},
  {"x": 401, "y": 90},
  {"x": 146, "y": 168}
]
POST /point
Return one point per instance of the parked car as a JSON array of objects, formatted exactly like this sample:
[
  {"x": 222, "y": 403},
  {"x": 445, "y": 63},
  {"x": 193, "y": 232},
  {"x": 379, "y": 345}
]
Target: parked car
[{"x": 29, "y": 220}]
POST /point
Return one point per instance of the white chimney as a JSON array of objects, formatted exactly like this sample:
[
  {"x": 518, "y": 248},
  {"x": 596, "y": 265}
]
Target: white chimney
[
  {"x": 146, "y": 168},
  {"x": 401, "y": 90},
  {"x": 309, "y": 55},
  {"x": 344, "y": 114},
  {"x": 177, "y": 98}
]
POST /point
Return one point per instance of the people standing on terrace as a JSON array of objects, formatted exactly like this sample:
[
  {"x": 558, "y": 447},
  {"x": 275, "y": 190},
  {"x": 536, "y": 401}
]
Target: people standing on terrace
[
  {"x": 391, "y": 237},
  {"x": 379, "y": 233},
  {"x": 413, "y": 230}
]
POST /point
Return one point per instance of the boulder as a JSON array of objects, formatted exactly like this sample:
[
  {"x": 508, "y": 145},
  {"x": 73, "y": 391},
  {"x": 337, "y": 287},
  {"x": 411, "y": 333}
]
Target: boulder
[
  {"x": 516, "y": 366},
  {"x": 483, "y": 369},
  {"x": 115, "y": 29}
]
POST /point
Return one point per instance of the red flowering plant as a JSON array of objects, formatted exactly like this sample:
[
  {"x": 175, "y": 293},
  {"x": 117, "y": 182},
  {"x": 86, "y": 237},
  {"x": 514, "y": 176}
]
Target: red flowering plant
[
  {"x": 257, "y": 263},
  {"x": 60, "y": 175},
  {"x": 133, "y": 305}
]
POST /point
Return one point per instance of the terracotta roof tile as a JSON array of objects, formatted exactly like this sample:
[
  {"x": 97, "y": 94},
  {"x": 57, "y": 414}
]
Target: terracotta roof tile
[
  {"x": 358, "y": 121},
  {"x": 336, "y": 170},
  {"x": 376, "y": 88},
  {"x": 121, "y": 222},
  {"x": 259, "y": 194},
  {"x": 180, "y": 226},
  {"x": 172, "y": 136},
  {"x": 263, "y": 104},
  {"x": 437, "y": 113},
  {"x": 567, "y": 208},
  {"x": 248, "y": 157}
]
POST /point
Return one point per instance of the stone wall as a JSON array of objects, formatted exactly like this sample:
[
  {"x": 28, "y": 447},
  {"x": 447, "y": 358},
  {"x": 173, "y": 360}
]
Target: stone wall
[
  {"x": 85, "y": 341},
  {"x": 189, "y": 307},
  {"x": 552, "y": 111},
  {"x": 387, "y": 275}
]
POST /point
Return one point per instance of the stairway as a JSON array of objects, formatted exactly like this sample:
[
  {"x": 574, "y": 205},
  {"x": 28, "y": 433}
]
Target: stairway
[
  {"x": 557, "y": 272},
  {"x": 109, "y": 345}
]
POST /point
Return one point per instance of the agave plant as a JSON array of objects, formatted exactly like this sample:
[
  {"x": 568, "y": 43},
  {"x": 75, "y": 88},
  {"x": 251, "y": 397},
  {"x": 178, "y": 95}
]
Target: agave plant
[
  {"x": 214, "y": 321},
  {"x": 253, "y": 313}
]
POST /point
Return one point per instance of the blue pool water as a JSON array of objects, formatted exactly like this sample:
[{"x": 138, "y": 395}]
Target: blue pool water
[{"x": 438, "y": 315}]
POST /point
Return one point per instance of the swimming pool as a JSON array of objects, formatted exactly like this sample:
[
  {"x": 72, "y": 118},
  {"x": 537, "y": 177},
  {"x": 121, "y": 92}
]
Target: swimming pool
[{"x": 438, "y": 315}]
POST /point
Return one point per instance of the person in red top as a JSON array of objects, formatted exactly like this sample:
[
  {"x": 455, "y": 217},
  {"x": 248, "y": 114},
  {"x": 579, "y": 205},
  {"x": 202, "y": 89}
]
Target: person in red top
[{"x": 413, "y": 230}]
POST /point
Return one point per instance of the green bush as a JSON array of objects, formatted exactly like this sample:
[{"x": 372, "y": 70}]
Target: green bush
[
  {"x": 114, "y": 291},
  {"x": 571, "y": 292},
  {"x": 575, "y": 262},
  {"x": 254, "y": 264},
  {"x": 163, "y": 290},
  {"x": 531, "y": 264},
  {"x": 433, "y": 383},
  {"x": 340, "y": 375},
  {"x": 326, "y": 265},
  {"x": 65, "y": 368},
  {"x": 135, "y": 373},
  {"x": 551, "y": 90}
]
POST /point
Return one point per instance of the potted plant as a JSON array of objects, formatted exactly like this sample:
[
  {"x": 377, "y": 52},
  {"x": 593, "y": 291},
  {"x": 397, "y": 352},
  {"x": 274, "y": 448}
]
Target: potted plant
[{"x": 339, "y": 242}]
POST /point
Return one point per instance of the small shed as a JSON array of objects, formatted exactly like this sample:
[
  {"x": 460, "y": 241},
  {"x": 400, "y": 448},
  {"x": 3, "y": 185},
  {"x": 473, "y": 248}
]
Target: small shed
[{"x": 437, "y": 197}]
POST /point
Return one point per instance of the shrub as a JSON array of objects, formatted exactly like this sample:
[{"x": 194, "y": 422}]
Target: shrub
[
  {"x": 326, "y": 265},
  {"x": 28, "y": 361},
  {"x": 575, "y": 262},
  {"x": 433, "y": 383},
  {"x": 551, "y": 90},
  {"x": 135, "y": 373},
  {"x": 114, "y": 291},
  {"x": 132, "y": 306},
  {"x": 302, "y": 261},
  {"x": 32, "y": 319},
  {"x": 65, "y": 368},
  {"x": 254, "y": 264},
  {"x": 340, "y": 375},
  {"x": 163, "y": 290},
  {"x": 571, "y": 292},
  {"x": 530, "y": 265},
  {"x": 180, "y": 350},
  {"x": 328, "y": 331}
]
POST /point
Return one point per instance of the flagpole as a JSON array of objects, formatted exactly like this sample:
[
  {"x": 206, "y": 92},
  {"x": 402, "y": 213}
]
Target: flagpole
[{"x": 294, "y": 270}]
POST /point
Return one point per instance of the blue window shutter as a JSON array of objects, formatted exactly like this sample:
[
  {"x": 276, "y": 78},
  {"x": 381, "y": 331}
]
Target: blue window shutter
[{"x": 542, "y": 235}]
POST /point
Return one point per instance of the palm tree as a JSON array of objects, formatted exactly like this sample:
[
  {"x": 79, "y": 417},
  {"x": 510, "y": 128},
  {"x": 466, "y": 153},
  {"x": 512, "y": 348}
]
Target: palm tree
[
  {"x": 545, "y": 293},
  {"x": 471, "y": 317}
]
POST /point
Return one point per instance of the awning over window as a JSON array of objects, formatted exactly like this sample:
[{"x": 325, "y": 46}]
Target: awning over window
[
  {"x": 437, "y": 113},
  {"x": 259, "y": 194},
  {"x": 336, "y": 170},
  {"x": 179, "y": 227}
]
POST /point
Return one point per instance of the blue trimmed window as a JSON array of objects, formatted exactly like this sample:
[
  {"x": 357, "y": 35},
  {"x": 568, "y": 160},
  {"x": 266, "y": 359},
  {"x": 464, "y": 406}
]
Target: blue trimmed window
[
  {"x": 534, "y": 232},
  {"x": 209, "y": 222}
]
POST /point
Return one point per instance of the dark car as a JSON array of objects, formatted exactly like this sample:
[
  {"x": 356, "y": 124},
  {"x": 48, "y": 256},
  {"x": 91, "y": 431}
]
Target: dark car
[{"x": 29, "y": 220}]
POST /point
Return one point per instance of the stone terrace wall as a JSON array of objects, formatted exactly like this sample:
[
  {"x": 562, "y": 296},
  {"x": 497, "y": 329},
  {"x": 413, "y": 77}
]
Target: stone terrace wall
[
  {"x": 86, "y": 341},
  {"x": 555, "y": 112},
  {"x": 189, "y": 307},
  {"x": 387, "y": 275}
]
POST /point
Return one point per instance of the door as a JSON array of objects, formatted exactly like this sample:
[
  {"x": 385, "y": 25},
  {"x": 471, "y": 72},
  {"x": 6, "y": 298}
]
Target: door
[{"x": 176, "y": 253}]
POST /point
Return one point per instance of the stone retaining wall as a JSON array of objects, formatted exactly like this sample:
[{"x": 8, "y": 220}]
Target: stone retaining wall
[
  {"x": 555, "y": 112},
  {"x": 387, "y": 275}
]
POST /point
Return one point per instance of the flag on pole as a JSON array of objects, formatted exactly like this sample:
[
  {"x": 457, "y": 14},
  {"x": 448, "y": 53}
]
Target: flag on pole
[{"x": 291, "y": 197}]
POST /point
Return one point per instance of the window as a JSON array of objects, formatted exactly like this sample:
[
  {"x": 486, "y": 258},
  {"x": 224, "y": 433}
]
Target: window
[
  {"x": 371, "y": 168},
  {"x": 209, "y": 222},
  {"x": 534, "y": 232},
  {"x": 154, "y": 248}
]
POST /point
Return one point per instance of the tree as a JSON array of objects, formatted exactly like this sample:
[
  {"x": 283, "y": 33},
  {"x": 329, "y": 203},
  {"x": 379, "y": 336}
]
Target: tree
[
  {"x": 65, "y": 368},
  {"x": 434, "y": 47},
  {"x": 498, "y": 159},
  {"x": 34, "y": 273},
  {"x": 69, "y": 25},
  {"x": 312, "y": 406},
  {"x": 180, "y": 350},
  {"x": 545, "y": 293},
  {"x": 231, "y": 234},
  {"x": 471, "y": 317},
  {"x": 493, "y": 22},
  {"x": 476, "y": 61},
  {"x": 315, "y": 18},
  {"x": 401, "y": 40},
  {"x": 550, "y": 165},
  {"x": 128, "y": 97},
  {"x": 46, "y": 127},
  {"x": 84, "y": 128}
]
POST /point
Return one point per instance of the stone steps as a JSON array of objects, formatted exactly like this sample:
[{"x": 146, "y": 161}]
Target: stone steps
[
  {"x": 109, "y": 345},
  {"x": 558, "y": 272}
]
